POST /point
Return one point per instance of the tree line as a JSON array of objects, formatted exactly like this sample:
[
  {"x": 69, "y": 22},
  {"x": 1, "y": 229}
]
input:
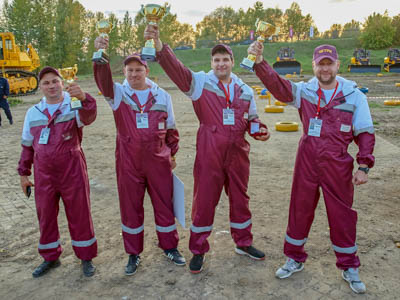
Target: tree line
[{"x": 63, "y": 31}]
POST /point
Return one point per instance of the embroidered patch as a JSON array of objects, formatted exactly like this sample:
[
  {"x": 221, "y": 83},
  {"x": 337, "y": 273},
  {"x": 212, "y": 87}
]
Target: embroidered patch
[
  {"x": 246, "y": 115},
  {"x": 161, "y": 125},
  {"x": 345, "y": 128}
]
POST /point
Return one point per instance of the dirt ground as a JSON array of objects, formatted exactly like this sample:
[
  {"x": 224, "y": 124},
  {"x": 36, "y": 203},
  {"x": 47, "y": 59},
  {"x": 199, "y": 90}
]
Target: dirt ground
[{"x": 226, "y": 275}]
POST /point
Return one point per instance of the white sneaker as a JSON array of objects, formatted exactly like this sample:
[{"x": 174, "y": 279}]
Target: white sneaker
[
  {"x": 351, "y": 276},
  {"x": 291, "y": 266}
]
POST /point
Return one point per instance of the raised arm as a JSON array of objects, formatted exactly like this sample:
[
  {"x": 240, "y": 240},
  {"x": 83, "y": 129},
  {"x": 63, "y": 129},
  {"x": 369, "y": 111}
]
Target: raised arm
[
  {"x": 102, "y": 72},
  {"x": 174, "y": 68},
  {"x": 282, "y": 89}
]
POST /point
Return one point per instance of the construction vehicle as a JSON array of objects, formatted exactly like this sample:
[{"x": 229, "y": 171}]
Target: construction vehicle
[
  {"x": 360, "y": 63},
  {"x": 392, "y": 61},
  {"x": 17, "y": 66},
  {"x": 286, "y": 63}
]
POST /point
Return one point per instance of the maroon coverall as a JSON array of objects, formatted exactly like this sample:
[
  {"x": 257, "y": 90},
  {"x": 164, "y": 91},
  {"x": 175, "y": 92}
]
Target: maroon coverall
[
  {"x": 142, "y": 159},
  {"x": 222, "y": 152},
  {"x": 324, "y": 161},
  {"x": 60, "y": 171}
]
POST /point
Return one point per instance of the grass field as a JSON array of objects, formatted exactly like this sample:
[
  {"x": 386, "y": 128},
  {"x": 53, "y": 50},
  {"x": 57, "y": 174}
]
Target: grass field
[{"x": 199, "y": 59}]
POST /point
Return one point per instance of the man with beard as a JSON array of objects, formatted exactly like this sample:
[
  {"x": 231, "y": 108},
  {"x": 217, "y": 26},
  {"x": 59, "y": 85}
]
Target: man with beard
[
  {"x": 226, "y": 109},
  {"x": 334, "y": 113},
  {"x": 147, "y": 142}
]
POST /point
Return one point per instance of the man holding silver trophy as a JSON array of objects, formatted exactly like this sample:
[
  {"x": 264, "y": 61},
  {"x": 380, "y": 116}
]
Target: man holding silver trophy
[
  {"x": 226, "y": 110},
  {"x": 147, "y": 142}
]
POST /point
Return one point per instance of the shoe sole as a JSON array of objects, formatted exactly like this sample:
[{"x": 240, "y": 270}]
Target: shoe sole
[
  {"x": 130, "y": 274},
  {"x": 349, "y": 282},
  {"x": 290, "y": 274},
  {"x": 241, "y": 252},
  {"x": 56, "y": 265},
  {"x": 201, "y": 269},
  {"x": 178, "y": 264}
]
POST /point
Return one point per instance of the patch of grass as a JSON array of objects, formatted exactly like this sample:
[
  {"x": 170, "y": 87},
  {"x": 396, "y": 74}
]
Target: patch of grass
[
  {"x": 374, "y": 105},
  {"x": 14, "y": 101},
  {"x": 375, "y": 123},
  {"x": 199, "y": 59}
]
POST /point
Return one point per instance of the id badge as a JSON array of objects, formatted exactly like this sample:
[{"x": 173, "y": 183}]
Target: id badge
[
  {"x": 228, "y": 116},
  {"x": 254, "y": 127},
  {"x": 142, "y": 120},
  {"x": 75, "y": 104},
  {"x": 44, "y": 136},
  {"x": 314, "y": 129}
]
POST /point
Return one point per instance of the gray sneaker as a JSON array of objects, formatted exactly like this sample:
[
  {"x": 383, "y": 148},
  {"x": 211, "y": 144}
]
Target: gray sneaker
[
  {"x": 351, "y": 276},
  {"x": 291, "y": 266}
]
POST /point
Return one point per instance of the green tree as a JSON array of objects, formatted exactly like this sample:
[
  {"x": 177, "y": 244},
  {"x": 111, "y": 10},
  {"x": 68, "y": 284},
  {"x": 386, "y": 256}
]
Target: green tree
[
  {"x": 335, "y": 31},
  {"x": 378, "y": 32},
  {"x": 396, "y": 25},
  {"x": 351, "y": 29},
  {"x": 128, "y": 35},
  {"x": 18, "y": 15}
]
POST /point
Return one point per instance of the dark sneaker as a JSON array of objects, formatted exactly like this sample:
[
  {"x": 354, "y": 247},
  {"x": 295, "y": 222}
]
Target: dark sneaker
[
  {"x": 132, "y": 265},
  {"x": 88, "y": 268},
  {"x": 251, "y": 252},
  {"x": 196, "y": 263},
  {"x": 11, "y": 122},
  {"x": 175, "y": 256},
  {"x": 45, "y": 266}
]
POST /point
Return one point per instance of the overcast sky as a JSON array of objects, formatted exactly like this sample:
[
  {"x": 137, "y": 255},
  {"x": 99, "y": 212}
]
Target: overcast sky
[{"x": 324, "y": 12}]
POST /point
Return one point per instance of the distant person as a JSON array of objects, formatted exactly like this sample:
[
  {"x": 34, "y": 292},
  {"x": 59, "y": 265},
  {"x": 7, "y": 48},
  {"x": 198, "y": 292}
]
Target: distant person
[
  {"x": 226, "y": 110},
  {"x": 147, "y": 142},
  {"x": 334, "y": 112},
  {"x": 4, "y": 92},
  {"x": 51, "y": 141}
]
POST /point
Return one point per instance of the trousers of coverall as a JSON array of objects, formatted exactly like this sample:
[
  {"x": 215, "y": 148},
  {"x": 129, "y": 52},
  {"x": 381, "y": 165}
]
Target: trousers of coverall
[
  {"x": 139, "y": 168},
  {"x": 332, "y": 172},
  {"x": 215, "y": 169},
  {"x": 65, "y": 176}
]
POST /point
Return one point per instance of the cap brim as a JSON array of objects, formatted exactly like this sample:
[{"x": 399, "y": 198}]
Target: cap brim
[
  {"x": 324, "y": 56},
  {"x": 130, "y": 59}
]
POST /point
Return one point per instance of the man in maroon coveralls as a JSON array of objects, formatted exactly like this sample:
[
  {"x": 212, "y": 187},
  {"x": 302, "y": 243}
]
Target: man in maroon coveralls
[
  {"x": 226, "y": 109},
  {"x": 147, "y": 141},
  {"x": 51, "y": 141},
  {"x": 334, "y": 113}
]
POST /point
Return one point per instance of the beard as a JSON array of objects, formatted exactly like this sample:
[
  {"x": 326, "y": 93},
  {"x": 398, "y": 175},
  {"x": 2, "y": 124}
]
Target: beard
[{"x": 328, "y": 81}]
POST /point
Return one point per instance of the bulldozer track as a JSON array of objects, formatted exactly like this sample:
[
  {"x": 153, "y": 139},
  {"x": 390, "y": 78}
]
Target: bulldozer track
[{"x": 25, "y": 74}]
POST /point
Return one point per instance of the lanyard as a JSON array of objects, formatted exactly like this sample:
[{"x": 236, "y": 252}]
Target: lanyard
[
  {"x": 47, "y": 114},
  {"x": 319, "y": 99},
  {"x": 227, "y": 95},
  {"x": 141, "y": 107}
]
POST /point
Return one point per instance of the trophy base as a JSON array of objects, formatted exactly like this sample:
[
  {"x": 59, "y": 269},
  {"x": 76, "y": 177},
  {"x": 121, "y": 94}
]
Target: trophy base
[
  {"x": 247, "y": 64},
  {"x": 100, "y": 57},
  {"x": 75, "y": 104},
  {"x": 148, "y": 54}
]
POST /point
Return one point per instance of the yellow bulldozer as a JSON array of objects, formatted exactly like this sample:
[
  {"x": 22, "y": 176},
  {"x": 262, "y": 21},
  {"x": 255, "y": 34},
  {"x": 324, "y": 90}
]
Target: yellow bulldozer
[
  {"x": 18, "y": 66},
  {"x": 392, "y": 61},
  {"x": 360, "y": 62}
]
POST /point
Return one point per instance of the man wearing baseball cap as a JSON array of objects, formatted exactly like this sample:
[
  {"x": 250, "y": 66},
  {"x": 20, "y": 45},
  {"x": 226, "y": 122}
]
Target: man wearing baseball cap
[
  {"x": 225, "y": 108},
  {"x": 334, "y": 113},
  {"x": 147, "y": 142},
  {"x": 51, "y": 141}
]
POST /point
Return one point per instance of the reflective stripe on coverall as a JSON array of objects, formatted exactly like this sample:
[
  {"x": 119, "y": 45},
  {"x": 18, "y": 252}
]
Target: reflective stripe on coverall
[
  {"x": 60, "y": 171},
  {"x": 324, "y": 162},
  {"x": 142, "y": 162},
  {"x": 222, "y": 153}
]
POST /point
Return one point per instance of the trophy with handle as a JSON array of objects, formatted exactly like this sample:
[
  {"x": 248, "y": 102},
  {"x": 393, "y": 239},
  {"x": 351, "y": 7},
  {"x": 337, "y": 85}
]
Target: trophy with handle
[
  {"x": 69, "y": 75},
  {"x": 264, "y": 30},
  {"x": 153, "y": 14},
  {"x": 101, "y": 57}
]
